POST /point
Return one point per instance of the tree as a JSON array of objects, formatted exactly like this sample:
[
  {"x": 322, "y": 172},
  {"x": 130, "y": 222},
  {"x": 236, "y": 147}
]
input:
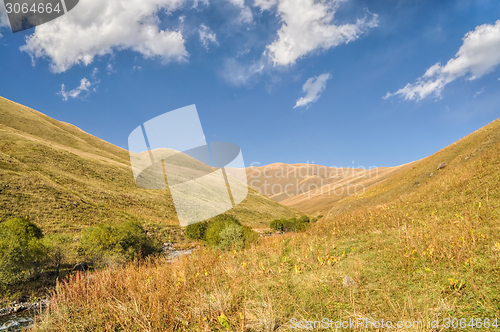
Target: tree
[
  {"x": 114, "y": 244},
  {"x": 21, "y": 250}
]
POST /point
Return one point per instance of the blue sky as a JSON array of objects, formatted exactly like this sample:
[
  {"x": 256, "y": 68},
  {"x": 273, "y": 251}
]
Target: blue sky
[{"x": 380, "y": 83}]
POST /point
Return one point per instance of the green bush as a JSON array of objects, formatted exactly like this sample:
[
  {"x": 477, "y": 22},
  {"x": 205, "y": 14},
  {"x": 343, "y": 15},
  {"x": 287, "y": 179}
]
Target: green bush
[
  {"x": 59, "y": 250},
  {"x": 196, "y": 231},
  {"x": 232, "y": 236},
  {"x": 316, "y": 218},
  {"x": 115, "y": 244},
  {"x": 291, "y": 225},
  {"x": 222, "y": 232},
  {"x": 22, "y": 252},
  {"x": 303, "y": 219}
]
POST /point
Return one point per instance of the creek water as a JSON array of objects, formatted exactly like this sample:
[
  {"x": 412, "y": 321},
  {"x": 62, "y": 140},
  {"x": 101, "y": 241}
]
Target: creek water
[{"x": 16, "y": 322}]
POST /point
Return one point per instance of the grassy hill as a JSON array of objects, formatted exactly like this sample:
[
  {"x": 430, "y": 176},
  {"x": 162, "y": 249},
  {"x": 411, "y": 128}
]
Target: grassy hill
[
  {"x": 415, "y": 248},
  {"x": 64, "y": 180},
  {"x": 314, "y": 189}
]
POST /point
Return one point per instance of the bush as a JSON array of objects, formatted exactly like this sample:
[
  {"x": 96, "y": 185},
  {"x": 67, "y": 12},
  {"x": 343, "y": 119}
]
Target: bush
[
  {"x": 21, "y": 250},
  {"x": 290, "y": 225},
  {"x": 232, "y": 236},
  {"x": 115, "y": 244},
  {"x": 196, "y": 231},
  {"x": 222, "y": 232},
  {"x": 59, "y": 250},
  {"x": 303, "y": 219}
]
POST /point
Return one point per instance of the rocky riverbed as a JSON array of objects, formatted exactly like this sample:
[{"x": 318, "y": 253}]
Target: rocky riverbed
[
  {"x": 16, "y": 308},
  {"x": 19, "y": 315}
]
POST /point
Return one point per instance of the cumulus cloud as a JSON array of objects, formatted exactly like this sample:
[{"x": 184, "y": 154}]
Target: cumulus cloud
[
  {"x": 478, "y": 56},
  {"x": 313, "y": 88},
  {"x": 308, "y": 26},
  {"x": 207, "y": 36},
  {"x": 85, "y": 86},
  {"x": 99, "y": 28}
]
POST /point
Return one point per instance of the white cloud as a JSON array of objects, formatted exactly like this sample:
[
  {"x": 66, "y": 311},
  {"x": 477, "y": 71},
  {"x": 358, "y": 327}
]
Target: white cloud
[
  {"x": 85, "y": 86},
  {"x": 308, "y": 26},
  {"x": 478, "y": 56},
  {"x": 238, "y": 73},
  {"x": 97, "y": 28},
  {"x": 313, "y": 88},
  {"x": 207, "y": 36},
  {"x": 196, "y": 2},
  {"x": 4, "y": 19},
  {"x": 479, "y": 92},
  {"x": 246, "y": 15},
  {"x": 265, "y": 4},
  {"x": 110, "y": 69}
]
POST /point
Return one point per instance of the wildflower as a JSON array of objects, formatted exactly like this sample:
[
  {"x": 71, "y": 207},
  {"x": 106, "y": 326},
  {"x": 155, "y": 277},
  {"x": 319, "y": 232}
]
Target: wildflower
[
  {"x": 223, "y": 320},
  {"x": 497, "y": 246}
]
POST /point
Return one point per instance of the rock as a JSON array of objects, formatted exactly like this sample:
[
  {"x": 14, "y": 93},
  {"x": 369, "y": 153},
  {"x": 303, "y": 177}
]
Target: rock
[
  {"x": 466, "y": 157},
  {"x": 348, "y": 282},
  {"x": 19, "y": 308},
  {"x": 442, "y": 165},
  {"x": 81, "y": 267}
]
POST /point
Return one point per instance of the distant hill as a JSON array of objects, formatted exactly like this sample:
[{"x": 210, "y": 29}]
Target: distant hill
[
  {"x": 470, "y": 169},
  {"x": 314, "y": 189},
  {"x": 65, "y": 179}
]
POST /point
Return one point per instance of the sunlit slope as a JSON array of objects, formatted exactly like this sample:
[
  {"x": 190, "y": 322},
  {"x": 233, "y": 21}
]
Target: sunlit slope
[
  {"x": 314, "y": 189},
  {"x": 471, "y": 169},
  {"x": 64, "y": 178}
]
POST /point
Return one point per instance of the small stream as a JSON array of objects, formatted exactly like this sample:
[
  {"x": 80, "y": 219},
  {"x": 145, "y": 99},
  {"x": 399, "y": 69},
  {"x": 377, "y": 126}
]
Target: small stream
[{"x": 16, "y": 322}]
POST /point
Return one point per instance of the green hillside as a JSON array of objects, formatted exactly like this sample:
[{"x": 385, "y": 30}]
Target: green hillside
[{"x": 64, "y": 179}]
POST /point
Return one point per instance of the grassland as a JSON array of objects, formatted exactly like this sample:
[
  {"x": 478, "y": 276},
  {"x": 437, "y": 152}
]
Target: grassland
[
  {"x": 64, "y": 180},
  {"x": 417, "y": 247}
]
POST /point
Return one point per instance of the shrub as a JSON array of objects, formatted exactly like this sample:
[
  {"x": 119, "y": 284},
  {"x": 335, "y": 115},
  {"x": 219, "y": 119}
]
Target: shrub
[
  {"x": 59, "y": 250},
  {"x": 197, "y": 231},
  {"x": 21, "y": 250},
  {"x": 115, "y": 244},
  {"x": 303, "y": 219},
  {"x": 223, "y": 232},
  {"x": 232, "y": 236},
  {"x": 290, "y": 225},
  {"x": 316, "y": 218},
  {"x": 278, "y": 225}
]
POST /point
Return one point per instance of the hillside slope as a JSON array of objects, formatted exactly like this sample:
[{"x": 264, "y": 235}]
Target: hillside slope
[
  {"x": 470, "y": 163},
  {"x": 315, "y": 189},
  {"x": 65, "y": 179}
]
